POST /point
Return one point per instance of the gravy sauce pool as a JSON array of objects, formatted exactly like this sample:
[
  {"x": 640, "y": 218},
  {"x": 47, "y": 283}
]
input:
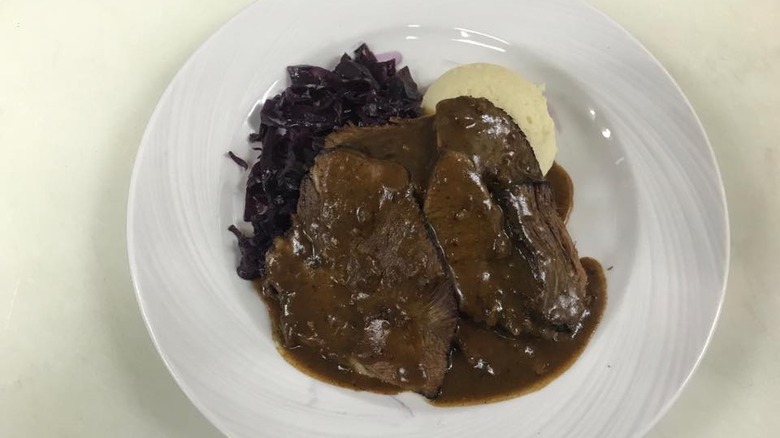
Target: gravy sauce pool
[
  {"x": 491, "y": 367},
  {"x": 309, "y": 361},
  {"x": 563, "y": 189},
  {"x": 497, "y": 368}
]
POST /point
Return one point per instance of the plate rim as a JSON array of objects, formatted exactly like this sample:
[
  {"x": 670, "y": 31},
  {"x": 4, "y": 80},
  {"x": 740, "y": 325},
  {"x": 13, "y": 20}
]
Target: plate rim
[{"x": 726, "y": 221}]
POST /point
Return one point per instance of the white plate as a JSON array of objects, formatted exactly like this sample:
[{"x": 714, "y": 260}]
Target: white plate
[{"x": 649, "y": 201}]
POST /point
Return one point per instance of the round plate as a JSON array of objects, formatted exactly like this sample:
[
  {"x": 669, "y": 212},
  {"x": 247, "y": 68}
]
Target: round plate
[{"x": 649, "y": 204}]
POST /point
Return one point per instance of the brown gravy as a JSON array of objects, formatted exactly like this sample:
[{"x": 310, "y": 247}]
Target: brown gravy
[
  {"x": 506, "y": 368},
  {"x": 309, "y": 361},
  {"x": 563, "y": 189},
  {"x": 496, "y": 367}
]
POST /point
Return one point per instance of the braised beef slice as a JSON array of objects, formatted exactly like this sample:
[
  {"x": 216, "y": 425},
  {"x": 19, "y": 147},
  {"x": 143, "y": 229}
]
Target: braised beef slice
[
  {"x": 554, "y": 301},
  {"x": 410, "y": 143},
  {"x": 537, "y": 230},
  {"x": 357, "y": 278},
  {"x": 485, "y": 132},
  {"x": 495, "y": 284}
]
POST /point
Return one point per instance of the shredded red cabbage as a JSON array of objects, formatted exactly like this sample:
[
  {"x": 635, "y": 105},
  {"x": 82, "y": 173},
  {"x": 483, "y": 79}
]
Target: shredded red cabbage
[
  {"x": 360, "y": 90},
  {"x": 238, "y": 160}
]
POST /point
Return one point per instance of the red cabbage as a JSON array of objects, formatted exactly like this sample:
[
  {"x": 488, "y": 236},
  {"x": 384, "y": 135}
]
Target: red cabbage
[
  {"x": 360, "y": 90},
  {"x": 238, "y": 160}
]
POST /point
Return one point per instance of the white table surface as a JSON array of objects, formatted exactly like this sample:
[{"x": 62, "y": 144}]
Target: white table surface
[{"x": 78, "y": 81}]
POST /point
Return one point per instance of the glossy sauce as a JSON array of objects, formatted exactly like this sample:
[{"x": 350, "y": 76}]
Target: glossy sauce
[
  {"x": 491, "y": 367},
  {"x": 563, "y": 189},
  {"x": 309, "y": 361},
  {"x": 499, "y": 367}
]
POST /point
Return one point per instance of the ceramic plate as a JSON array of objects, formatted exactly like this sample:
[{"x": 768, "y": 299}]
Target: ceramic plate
[{"x": 649, "y": 204}]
